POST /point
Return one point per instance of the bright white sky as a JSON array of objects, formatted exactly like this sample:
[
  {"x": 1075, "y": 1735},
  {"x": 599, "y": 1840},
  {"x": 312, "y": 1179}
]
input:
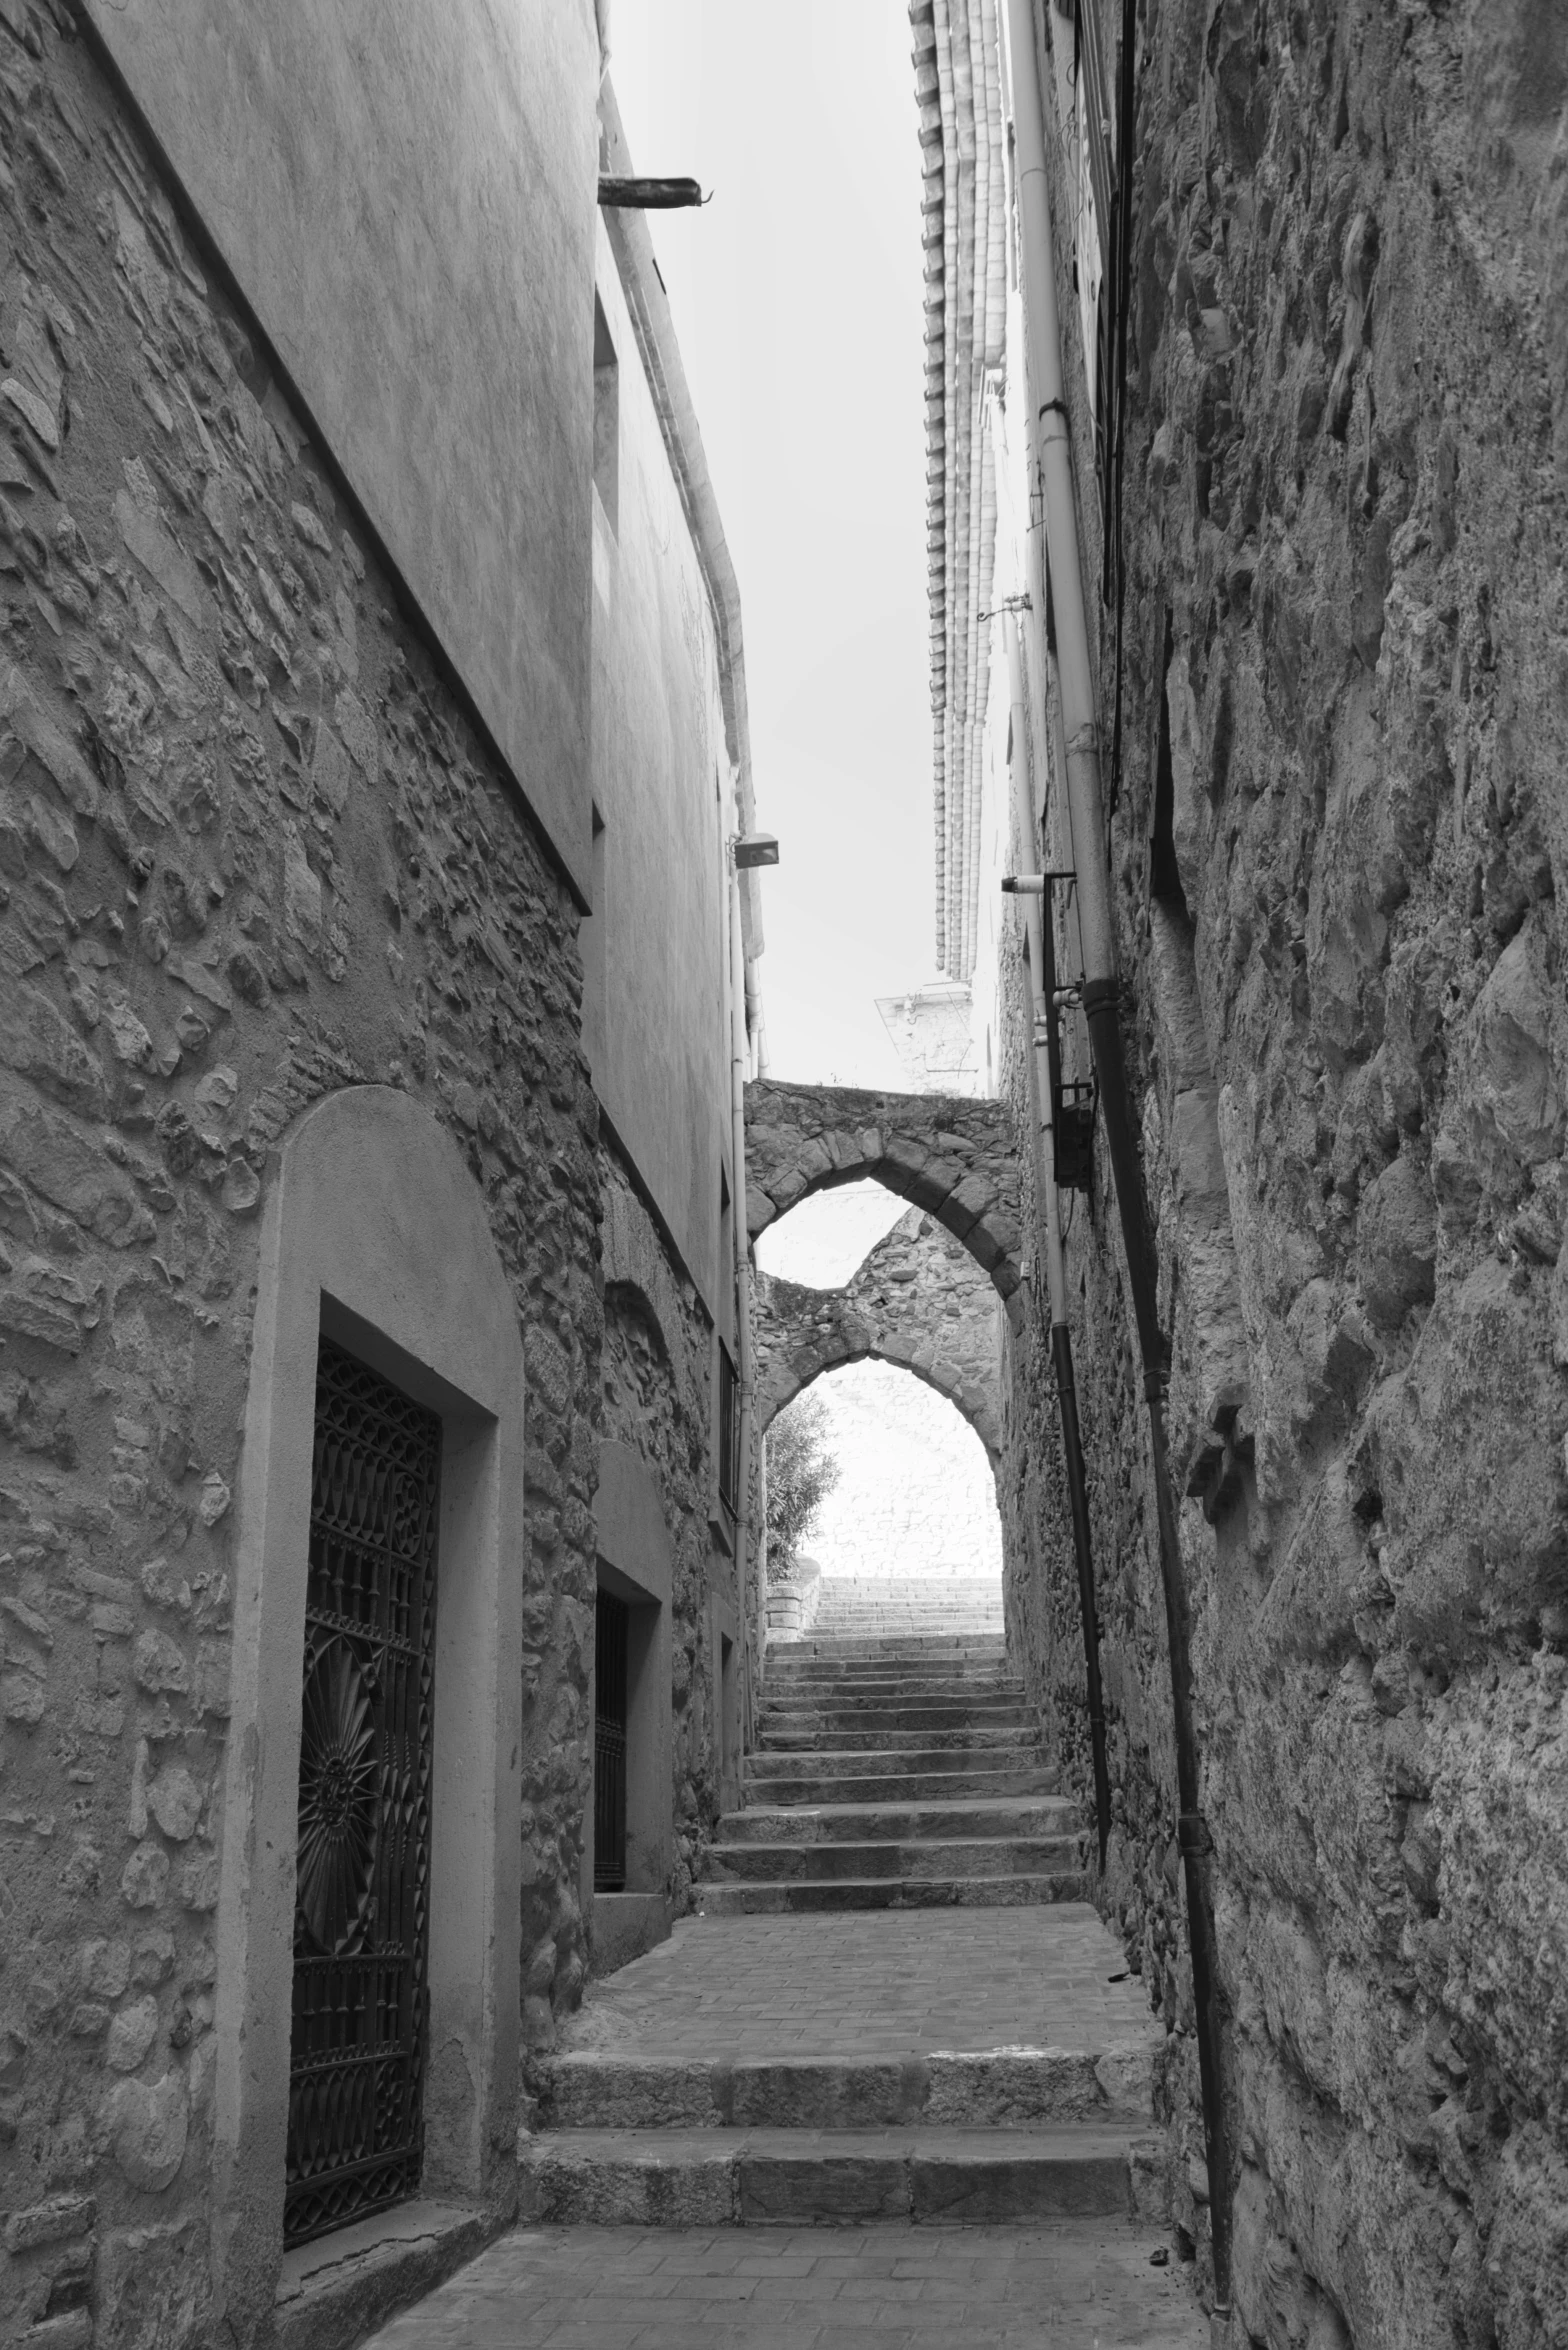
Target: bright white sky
[
  {"x": 824, "y": 1242},
  {"x": 797, "y": 299}
]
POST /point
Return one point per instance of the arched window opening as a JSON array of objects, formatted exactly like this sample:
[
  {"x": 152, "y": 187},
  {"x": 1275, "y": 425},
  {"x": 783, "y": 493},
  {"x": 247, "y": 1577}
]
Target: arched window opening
[{"x": 823, "y": 1243}]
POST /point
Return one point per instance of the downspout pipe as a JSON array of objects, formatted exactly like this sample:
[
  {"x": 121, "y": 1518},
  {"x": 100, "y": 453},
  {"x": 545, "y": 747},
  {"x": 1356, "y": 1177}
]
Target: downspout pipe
[
  {"x": 1043, "y": 1089},
  {"x": 1100, "y": 1003},
  {"x": 743, "y": 1362}
]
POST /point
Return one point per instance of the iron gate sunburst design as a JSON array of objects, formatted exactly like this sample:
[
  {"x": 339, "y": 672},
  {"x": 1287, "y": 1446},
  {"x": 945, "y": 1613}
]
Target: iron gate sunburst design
[{"x": 362, "y": 1897}]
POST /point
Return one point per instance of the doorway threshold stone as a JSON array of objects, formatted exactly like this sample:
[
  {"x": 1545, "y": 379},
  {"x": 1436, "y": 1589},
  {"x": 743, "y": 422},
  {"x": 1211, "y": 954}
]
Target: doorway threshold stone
[
  {"x": 335, "y": 2290},
  {"x": 624, "y": 1926}
]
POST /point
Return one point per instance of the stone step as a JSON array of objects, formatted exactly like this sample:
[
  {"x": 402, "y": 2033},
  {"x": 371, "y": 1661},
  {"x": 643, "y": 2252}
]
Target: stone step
[
  {"x": 914, "y": 1750},
  {"x": 918, "y": 1751},
  {"x": 845, "y": 1582},
  {"x": 869, "y": 1823},
  {"x": 957, "y": 1611},
  {"x": 719, "y": 1900},
  {"x": 899, "y": 1707},
  {"x": 839, "y": 1697},
  {"x": 705, "y": 2178},
  {"x": 851, "y": 1590},
  {"x": 838, "y": 1688},
  {"x": 777, "y": 1863},
  {"x": 597, "y": 2089},
  {"x": 857, "y": 1648},
  {"x": 891, "y": 1779},
  {"x": 963, "y": 1607},
  {"x": 955, "y": 1617},
  {"x": 844, "y": 1577},
  {"x": 806, "y": 1671},
  {"x": 828, "y": 1730},
  {"x": 908, "y": 1627},
  {"x": 988, "y": 1740},
  {"x": 791, "y": 1704},
  {"x": 892, "y": 1672},
  {"x": 887, "y": 1704}
]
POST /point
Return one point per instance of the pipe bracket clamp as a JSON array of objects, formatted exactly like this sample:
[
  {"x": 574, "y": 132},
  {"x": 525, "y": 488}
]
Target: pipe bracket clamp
[
  {"x": 1101, "y": 995},
  {"x": 1192, "y": 1835}
]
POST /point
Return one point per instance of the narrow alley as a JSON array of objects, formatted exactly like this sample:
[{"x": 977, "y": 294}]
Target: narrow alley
[
  {"x": 895, "y": 2037},
  {"x": 783, "y": 1175}
]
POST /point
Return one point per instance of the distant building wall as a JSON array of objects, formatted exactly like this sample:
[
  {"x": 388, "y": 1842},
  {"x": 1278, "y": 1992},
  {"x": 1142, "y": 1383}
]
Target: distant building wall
[{"x": 932, "y": 1033}]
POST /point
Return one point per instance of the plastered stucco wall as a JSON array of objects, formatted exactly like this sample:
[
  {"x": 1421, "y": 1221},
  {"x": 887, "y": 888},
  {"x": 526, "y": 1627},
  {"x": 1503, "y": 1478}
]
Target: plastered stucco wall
[
  {"x": 656, "y": 1008},
  {"x": 420, "y": 270}
]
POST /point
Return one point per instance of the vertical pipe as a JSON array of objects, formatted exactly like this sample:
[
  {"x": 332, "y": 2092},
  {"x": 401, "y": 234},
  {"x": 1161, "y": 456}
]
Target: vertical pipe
[
  {"x": 1076, "y": 680},
  {"x": 1043, "y": 1097},
  {"x": 743, "y": 1364}
]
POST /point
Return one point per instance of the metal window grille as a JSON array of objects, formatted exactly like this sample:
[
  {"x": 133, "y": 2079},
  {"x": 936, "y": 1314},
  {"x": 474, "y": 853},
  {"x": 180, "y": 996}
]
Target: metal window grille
[
  {"x": 612, "y": 1623},
  {"x": 362, "y": 1894}
]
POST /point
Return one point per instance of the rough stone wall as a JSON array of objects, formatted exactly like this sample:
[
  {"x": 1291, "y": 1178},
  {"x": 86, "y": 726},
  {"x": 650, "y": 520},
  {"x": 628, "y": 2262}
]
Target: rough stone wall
[
  {"x": 919, "y": 1300},
  {"x": 953, "y": 1158},
  {"x": 251, "y": 852},
  {"x": 656, "y": 1371},
  {"x": 1345, "y": 609}
]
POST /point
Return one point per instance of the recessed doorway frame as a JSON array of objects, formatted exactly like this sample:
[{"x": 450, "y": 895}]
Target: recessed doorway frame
[{"x": 374, "y": 1234}]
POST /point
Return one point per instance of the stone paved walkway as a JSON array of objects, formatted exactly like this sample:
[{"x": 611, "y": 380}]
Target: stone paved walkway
[
  {"x": 871, "y": 1983},
  {"x": 760, "y": 2135},
  {"x": 1079, "y": 2285}
]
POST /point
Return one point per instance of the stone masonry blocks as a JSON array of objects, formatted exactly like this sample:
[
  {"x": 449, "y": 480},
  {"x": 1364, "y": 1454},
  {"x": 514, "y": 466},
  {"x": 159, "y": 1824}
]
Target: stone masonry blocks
[
  {"x": 952, "y": 1157},
  {"x": 919, "y": 1300}
]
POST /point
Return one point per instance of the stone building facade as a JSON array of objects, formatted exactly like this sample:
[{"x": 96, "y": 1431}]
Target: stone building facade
[
  {"x": 302, "y": 822},
  {"x": 1332, "y": 728}
]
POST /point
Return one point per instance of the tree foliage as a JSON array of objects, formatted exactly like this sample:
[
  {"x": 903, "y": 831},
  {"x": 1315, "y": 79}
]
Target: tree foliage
[{"x": 802, "y": 1472}]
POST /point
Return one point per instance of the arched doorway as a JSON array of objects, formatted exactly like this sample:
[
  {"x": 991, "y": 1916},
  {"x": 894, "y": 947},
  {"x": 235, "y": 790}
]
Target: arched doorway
[
  {"x": 879, "y": 1328},
  {"x": 908, "y": 1538}
]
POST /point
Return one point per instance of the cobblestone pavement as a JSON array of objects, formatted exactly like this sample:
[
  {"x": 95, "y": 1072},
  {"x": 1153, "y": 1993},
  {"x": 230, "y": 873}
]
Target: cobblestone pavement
[
  {"x": 1087, "y": 2284},
  {"x": 903, "y": 1983}
]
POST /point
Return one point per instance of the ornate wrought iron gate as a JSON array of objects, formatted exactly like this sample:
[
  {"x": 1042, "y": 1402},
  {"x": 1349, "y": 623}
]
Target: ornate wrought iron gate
[
  {"x": 611, "y": 1625},
  {"x": 362, "y": 1903}
]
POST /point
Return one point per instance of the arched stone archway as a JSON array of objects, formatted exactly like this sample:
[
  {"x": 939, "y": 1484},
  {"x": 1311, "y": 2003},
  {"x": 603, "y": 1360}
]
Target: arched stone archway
[
  {"x": 919, "y": 1301},
  {"x": 973, "y": 1407},
  {"x": 954, "y": 1158}
]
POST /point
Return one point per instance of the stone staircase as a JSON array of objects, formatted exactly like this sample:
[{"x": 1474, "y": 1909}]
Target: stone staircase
[
  {"x": 979, "y": 2054},
  {"x": 895, "y": 1774},
  {"x": 870, "y": 1607}
]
